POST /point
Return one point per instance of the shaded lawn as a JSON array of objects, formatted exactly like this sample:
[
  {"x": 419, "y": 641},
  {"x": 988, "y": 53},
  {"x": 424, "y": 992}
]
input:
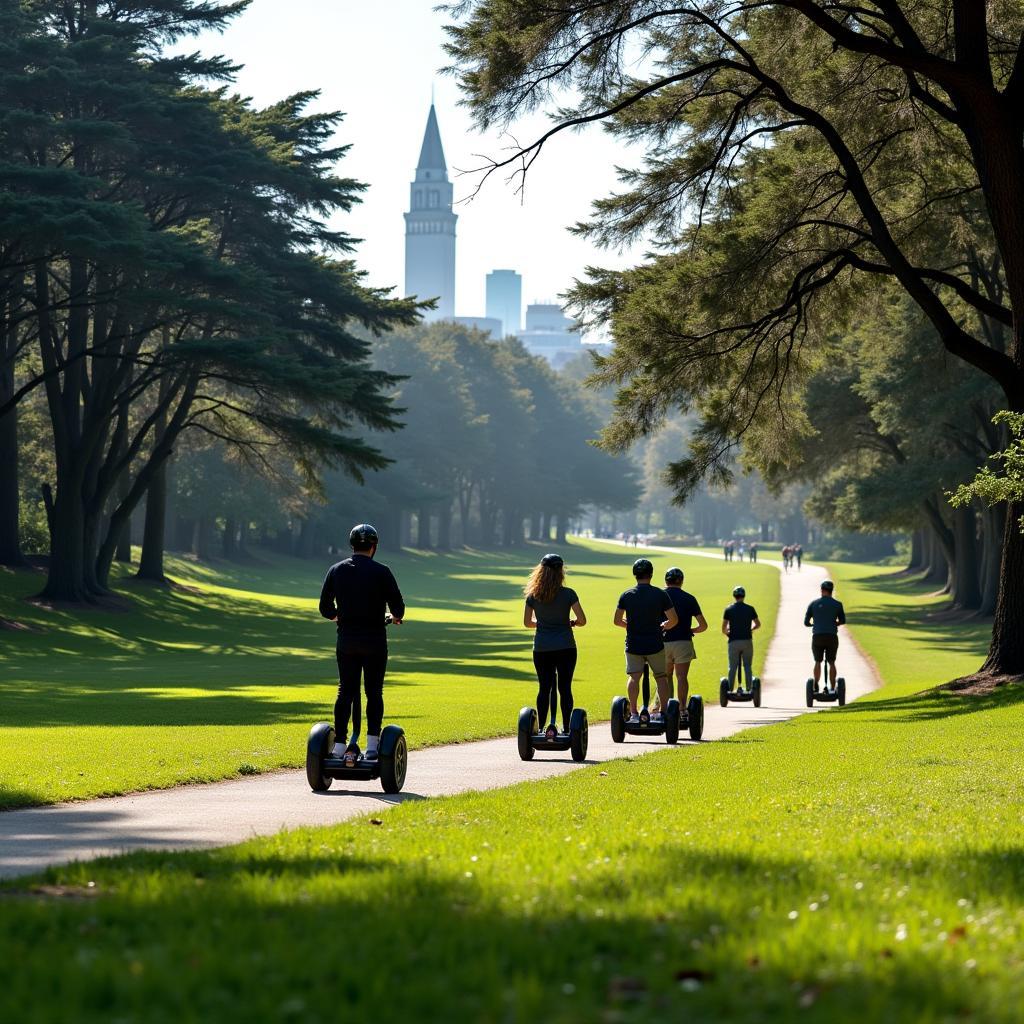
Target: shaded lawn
[
  {"x": 864, "y": 864},
  {"x": 902, "y": 625},
  {"x": 228, "y": 674}
]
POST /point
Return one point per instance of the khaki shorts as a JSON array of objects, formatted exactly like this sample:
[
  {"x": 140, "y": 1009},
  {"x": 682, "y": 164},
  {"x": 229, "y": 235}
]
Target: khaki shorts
[
  {"x": 635, "y": 663},
  {"x": 680, "y": 652}
]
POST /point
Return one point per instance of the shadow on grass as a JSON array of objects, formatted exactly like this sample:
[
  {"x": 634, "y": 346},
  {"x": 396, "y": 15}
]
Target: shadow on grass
[
  {"x": 935, "y": 704},
  {"x": 269, "y": 932}
]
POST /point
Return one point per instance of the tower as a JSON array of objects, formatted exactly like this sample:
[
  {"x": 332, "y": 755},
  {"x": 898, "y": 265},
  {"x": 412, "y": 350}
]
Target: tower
[
  {"x": 505, "y": 300},
  {"x": 430, "y": 228}
]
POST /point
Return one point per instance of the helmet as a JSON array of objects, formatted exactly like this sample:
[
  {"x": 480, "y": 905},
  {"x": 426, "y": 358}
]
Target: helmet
[
  {"x": 362, "y": 537},
  {"x": 643, "y": 568},
  {"x": 739, "y": 592},
  {"x": 828, "y": 585},
  {"x": 674, "y": 575},
  {"x": 552, "y": 561}
]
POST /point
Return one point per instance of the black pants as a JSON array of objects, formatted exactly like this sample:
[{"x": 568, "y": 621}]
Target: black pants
[
  {"x": 555, "y": 668},
  {"x": 355, "y": 664}
]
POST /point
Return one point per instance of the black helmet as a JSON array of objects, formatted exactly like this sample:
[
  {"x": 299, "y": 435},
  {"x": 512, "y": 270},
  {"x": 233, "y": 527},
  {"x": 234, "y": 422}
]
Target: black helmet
[
  {"x": 674, "y": 575},
  {"x": 642, "y": 568},
  {"x": 552, "y": 561},
  {"x": 363, "y": 537},
  {"x": 739, "y": 592},
  {"x": 828, "y": 585}
]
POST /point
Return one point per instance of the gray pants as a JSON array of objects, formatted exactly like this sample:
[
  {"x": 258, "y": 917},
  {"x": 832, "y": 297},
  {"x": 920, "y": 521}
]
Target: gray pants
[{"x": 741, "y": 649}]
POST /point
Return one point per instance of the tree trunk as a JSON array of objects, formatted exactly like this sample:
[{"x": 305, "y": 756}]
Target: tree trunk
[
  {"x": 444, "y": 526},
  {"x": 561, "y": 528},
  {"x": 10, "y": 547},
  {"x": 1006, "y": 654},
  {"x": 994, "y": 520},
  {"x": 123, "y": 552},
  {"x": 202, "y": 537},
  {"x": 65, "y": 580},
  {"x": 151, "y": 561},
  {"x": 966, "y": 591},
  {"x": 230, "y": 537},
  {"x": 535, "y": 526},
  {"x": 545, "y": 527},
  {"x": 916, "y": 562}
]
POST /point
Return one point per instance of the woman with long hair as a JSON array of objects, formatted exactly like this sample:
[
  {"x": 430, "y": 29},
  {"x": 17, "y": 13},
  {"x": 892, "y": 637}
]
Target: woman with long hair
[{"x": 553, "y": 610}]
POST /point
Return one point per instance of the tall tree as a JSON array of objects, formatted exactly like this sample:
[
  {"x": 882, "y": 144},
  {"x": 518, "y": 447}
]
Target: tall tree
[{"x": 805, "y": 145}]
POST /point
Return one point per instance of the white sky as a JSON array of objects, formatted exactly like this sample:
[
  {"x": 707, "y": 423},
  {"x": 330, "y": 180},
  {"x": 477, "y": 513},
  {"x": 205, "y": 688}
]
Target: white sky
[{"x": 377, "y": 60}]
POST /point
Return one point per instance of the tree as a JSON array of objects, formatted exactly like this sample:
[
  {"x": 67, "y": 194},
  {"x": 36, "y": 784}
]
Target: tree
[
  {"x": 805, "y": 146},
  {"x": 182, "y": 273}
]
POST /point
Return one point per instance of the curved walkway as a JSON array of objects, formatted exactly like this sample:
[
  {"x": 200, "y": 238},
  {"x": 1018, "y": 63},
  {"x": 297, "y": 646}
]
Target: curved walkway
[{"x": 218, "y": 814}]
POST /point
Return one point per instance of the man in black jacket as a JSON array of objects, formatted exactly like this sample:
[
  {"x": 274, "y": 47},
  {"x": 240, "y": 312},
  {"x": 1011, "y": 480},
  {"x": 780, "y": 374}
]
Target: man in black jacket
[{"x": 356, "y": 594}]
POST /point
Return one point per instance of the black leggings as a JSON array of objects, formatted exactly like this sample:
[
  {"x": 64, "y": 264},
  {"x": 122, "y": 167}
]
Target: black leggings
[
  {"x": 555, "y": 668},
  {"x": 369, "y": 664}
]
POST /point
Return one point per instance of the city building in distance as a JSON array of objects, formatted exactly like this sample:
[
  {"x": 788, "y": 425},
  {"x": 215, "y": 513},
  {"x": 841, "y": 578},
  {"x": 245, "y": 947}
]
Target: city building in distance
[
  {"x": 505, "y": 300},
  {"x": 488, "y": 324},
  {"x": 550, "y": 333},
  {"x": 430, "y": 228}
]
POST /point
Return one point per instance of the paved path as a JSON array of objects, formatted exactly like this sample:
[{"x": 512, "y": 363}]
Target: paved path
[{"x": 190, "y": 817}]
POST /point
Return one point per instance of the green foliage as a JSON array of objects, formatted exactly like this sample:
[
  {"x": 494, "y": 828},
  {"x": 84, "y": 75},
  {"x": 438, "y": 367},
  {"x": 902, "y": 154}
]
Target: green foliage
[{"x": 1005, "y": 483}]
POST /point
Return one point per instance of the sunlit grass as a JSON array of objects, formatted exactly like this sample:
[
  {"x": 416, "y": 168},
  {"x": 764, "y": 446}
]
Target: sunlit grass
[
  {"x": 850, "y": 866},
  {"x": 231, "y": 669}
]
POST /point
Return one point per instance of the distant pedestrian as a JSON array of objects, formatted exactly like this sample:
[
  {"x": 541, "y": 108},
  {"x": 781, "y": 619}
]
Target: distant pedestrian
[
  {"x": 725, "y": 550},
  {"x": 799, "y": 552},
  {"x": 753, "y": 551},
  {"x": 743, "y": 550}
]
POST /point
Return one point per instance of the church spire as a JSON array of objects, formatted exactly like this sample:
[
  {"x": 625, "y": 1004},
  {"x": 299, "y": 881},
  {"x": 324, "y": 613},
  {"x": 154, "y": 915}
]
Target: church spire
[{"x": 432, "y": 152}]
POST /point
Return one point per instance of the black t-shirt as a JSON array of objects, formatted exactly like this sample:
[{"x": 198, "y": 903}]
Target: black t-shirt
[
  {"x": 553, "y": 630},
  {"x": 357, "y": 592},
  {"x": 687, "y": 609},
  {"x": 740, "y": 617},
  {"x": 825, "y": 614},
  {"x": 645, "y": 606}
]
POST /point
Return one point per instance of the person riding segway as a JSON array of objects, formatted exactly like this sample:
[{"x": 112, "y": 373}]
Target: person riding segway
[
  {"x": 679, "y": 648},
  {"x": 739, "y": 620},
  {"x": 645, "y": 612},
  {"x": 358, "y": 593},
  {"x": 824, "y": 616},
  {"x": 553, "y": 610}
]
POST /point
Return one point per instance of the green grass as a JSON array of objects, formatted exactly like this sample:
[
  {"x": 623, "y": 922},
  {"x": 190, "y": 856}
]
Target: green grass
[
  {"x": 901, "y": 624},
  {"x": 225, "y": 677},
  {"x": 850, "y": 866}
]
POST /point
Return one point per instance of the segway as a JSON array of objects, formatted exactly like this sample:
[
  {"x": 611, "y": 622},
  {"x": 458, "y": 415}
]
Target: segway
[
  {"x": 751, "y": 693},
  {"x": 322, "y": 767},
  {"x": 531, "y": 739},
  {"x": 669, "y": 724},
  {"x": 826, "y": 694}
]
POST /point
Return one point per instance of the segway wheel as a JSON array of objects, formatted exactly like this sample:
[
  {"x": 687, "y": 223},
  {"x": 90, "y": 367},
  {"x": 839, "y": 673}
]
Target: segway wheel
[
  {"x": 723, "y": 692},
  {"x": 695, "y": 712},
  {"x": 755, "y": 689},
  {"x": 529, "y": 724},
  {"x": 671, "y": 718},
  {"x": 393, "y": 758},
  {"x": 578, "y": 734},
  {"x": 841, "y": 691},
  {"x": 810, "y": 693},
  {"x": 620, "y": 712},
  {"x": 321, "y": 740}
]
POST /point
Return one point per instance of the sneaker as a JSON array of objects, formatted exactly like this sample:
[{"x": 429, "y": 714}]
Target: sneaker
[
  {"x": 634, "y": 719},
  {"x": 338, "y": 750},
  {"x": 370, "y": 755}
]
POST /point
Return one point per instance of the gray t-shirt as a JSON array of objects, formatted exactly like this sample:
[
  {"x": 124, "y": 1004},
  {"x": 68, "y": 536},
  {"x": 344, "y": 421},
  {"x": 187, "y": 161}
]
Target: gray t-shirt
[{"x": 553, "y": 630}]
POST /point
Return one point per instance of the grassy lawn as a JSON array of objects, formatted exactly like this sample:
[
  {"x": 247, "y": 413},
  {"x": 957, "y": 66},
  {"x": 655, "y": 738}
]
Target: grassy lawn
[
  {"x": 900, "y": 624},
  {"x": 850, "y": 866},
  {"x": 226, "y": 675}
]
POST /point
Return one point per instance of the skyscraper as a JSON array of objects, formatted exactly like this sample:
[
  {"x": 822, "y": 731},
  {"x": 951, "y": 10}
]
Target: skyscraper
[
  {"x": 430, "y": 228},
  {"x": 505, "y": 299}
]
